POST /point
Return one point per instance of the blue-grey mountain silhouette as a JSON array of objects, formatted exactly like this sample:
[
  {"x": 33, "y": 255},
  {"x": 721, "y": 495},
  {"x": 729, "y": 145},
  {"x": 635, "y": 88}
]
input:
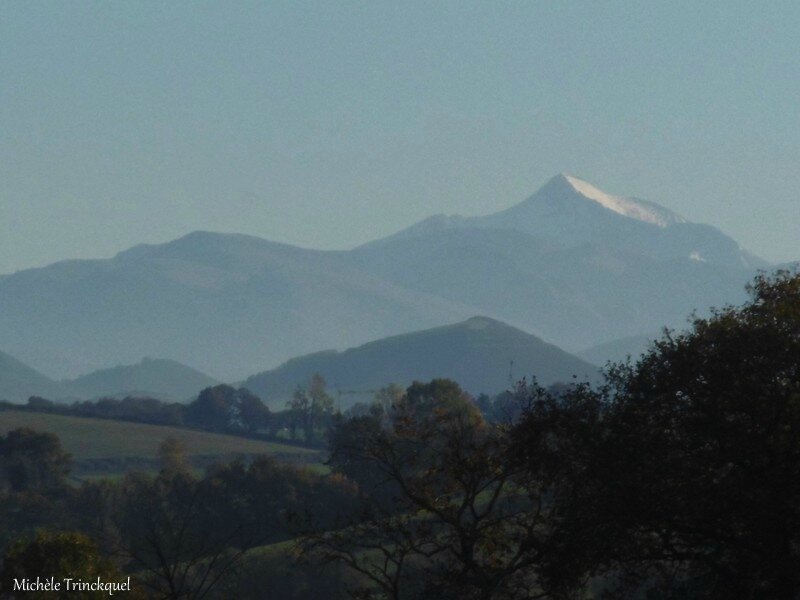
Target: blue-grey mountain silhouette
[
  {"x": 482, "y": 354},
  {"x": 571, "y": 264}
]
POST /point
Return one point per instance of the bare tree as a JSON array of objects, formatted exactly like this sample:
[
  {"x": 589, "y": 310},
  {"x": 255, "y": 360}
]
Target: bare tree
[{"x": 444, "y": 513}]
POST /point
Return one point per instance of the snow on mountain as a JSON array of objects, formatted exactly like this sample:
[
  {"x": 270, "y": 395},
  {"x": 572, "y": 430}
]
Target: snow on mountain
[
  {"x": 570, "y": 212},
  {"x": 571, "y": 263},
  {"x": 641, "y": 210}
]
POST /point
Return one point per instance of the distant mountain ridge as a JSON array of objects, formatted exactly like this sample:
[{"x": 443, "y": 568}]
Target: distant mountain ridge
[
  {"x": 572, "y": 212},
  {"x": 160, "y": 378},
  {"x": 229, "y": 304},
  {"x": 572, "y": 264},
  {"x": 157, "y": 377},
  {"x": 482, "y": 354},
  {"x": 18, "y": 381}
]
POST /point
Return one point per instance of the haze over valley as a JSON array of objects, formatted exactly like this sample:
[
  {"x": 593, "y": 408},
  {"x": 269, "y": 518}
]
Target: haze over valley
[{"x": 579, "y": 268}]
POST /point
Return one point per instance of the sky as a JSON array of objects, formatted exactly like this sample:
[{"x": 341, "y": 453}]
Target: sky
[{"x": 330, "y": 124}]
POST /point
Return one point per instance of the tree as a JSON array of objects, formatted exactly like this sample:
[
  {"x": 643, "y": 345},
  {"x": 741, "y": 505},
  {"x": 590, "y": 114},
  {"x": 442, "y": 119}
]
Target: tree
[
  {"x": 299, "y": 412},
  {"x": 58, "y": 555},
  {"x": 310, "y": 409},
  {"x": 39, "y": 404},
  {"x": 688, "y": 485},
  {"x": 254, "y": 415},
  {"x": 33, "y": 482},
  {"x": 214, "y": 408},
  {"x": 388, "y": 396},
  {"x": 321, "y": 404},
  {"x": 172, "y": 453},
  {"x": 441, "y": 512},
  {"x": 186, "y": 537},
  {"x": 32, "y": 461},
  {"x": 225, "y": 408},
  {"x": 163, "y": 527}
]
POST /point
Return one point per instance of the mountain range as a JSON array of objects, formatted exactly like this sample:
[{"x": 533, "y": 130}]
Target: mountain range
[
  {"x": 482, "y": 354},
  {"x": 571, "y": 264},
  {"x": 160, "y": 378}
]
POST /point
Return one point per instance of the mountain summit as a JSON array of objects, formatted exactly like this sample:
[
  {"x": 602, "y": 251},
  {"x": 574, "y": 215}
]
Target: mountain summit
[
  {"x": 571, "y": 263},
  {"x": 641, "y": 210},
  {"x": 482, "y": 354},
  {"x": 570, "y": 212}
]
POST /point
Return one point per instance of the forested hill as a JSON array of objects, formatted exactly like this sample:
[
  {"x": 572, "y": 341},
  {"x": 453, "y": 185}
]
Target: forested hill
[{"x": 483, "y": 354}]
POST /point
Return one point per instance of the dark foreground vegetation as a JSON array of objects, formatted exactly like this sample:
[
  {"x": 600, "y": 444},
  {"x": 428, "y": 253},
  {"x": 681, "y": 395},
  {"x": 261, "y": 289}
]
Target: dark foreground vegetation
[{"x": 677, "y": 479}]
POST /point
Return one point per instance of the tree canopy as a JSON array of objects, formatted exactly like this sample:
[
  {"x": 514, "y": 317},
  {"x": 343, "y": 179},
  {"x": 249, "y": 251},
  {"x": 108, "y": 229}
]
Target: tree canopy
[
  {"x": 32, "y": 461},
  {"x": 678, "y": 478},
  {"x": 56, "y": 555},
  {"x": 685, "y": 469}
]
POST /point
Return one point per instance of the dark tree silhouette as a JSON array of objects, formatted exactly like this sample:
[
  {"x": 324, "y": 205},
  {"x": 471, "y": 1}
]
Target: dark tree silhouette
[
  {"x": 443, "y": 512},
  {"x": 686, "y": 468},
  {"x": 225, "y": 408},
  {"x": 32, "y": 461},
  {"x": 58, "y": 555}
]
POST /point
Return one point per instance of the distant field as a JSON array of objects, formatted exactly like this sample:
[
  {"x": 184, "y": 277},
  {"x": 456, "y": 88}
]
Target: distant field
[{"x": 91, "y": 439}]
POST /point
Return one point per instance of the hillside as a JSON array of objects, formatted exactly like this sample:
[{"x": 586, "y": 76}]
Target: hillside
[
  {"x": 87, "y": 438},
  {"x": 482, "y": 354},
  {"x": 227, "y": 304},
  {"x": 571, "y": 263},
  {"x": 575, "y": 297},
  {"x": 159, "y": 378},
  {"x": 18, "y": 381}
]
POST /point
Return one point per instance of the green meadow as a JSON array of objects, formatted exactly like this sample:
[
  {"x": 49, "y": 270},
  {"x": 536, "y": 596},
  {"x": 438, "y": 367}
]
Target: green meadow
[{"x": 122, "y": 445}]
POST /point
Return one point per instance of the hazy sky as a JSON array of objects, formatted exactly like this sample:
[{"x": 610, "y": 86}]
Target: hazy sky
[{"x": 330, "y": 124}]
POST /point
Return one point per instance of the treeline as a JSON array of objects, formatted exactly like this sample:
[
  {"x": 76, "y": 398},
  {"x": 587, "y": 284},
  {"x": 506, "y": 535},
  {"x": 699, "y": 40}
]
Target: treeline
[
  {"x": 220, "y": 408},
  {"x": 132, "y": 408},
  {"x": 307, "y": 419}
]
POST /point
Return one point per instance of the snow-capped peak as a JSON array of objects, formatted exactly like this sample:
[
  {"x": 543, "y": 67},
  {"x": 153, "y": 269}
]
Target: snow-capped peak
[{"x": 628, "y": 207}]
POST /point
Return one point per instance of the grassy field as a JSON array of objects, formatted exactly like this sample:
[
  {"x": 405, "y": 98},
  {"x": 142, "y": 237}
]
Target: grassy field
[{"x": 92, "y": 439}]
